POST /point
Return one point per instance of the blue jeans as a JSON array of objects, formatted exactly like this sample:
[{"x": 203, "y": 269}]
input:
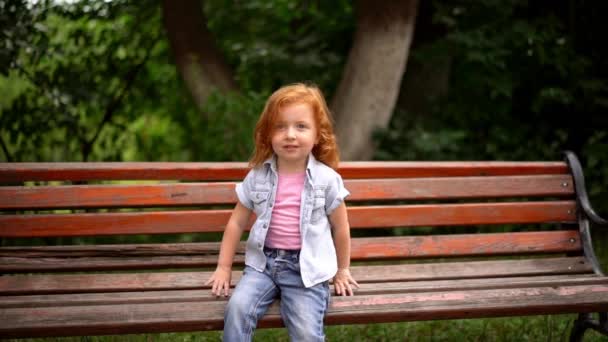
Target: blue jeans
[{"x": 302, "y": 309}]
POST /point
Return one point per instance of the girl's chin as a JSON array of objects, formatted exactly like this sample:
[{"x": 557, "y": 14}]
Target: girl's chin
[{"x": 292, "y": 158}]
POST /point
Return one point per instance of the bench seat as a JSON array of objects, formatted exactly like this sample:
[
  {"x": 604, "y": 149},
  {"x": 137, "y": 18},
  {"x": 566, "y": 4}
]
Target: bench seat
[{"x": 45, "y": 305}]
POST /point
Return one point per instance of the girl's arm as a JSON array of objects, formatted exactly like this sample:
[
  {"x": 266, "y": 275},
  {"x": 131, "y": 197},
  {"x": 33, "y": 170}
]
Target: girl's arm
[
  {"x": 343, "y": 279},
  {"x": 220, "y": 279}
]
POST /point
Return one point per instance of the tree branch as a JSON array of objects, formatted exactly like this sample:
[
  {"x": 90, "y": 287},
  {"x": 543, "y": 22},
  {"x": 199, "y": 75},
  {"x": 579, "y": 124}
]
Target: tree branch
[
  {"x": 130, "y": 77},
  {"x": 9, "y": 157}
]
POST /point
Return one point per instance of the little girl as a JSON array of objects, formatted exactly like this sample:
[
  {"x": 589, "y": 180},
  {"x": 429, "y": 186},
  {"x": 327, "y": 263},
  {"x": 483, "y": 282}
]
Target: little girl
[{"x": 298, "y": 198}]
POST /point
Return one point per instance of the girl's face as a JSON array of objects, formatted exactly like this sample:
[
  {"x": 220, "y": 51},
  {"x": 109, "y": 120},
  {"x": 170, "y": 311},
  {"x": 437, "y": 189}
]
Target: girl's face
[{"x": 294, "y": 134}]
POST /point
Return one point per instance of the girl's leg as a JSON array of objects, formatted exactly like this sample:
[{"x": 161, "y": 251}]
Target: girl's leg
[
  {"x": 302, "y": 309},
  {"x": 251, "y": 298}
]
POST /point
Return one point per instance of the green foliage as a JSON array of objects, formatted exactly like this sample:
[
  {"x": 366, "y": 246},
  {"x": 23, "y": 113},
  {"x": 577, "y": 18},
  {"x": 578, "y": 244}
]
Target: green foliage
[
  {"x": 87, "y": 74},
  {"x": 93, "y": 80},
  {"x": 17, "y": 20},
  {"x": 271, "y": 43},
  {"x": 227, "y": 133},
  {"x": 527, "y": 81}
]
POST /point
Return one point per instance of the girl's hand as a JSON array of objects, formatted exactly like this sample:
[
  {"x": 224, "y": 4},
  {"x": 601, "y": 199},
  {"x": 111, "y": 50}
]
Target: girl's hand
[
  {"x": 220, "y": 280},
  {"x": 344, "y": 282}
]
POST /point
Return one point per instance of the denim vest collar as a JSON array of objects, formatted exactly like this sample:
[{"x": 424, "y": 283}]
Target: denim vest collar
[{"x": 311, "y": 165}]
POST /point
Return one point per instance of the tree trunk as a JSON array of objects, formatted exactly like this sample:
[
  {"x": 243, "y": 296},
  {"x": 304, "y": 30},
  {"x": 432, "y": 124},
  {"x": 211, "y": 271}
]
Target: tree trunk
[
  {"x": 366, "y": 96},
  {"x": 198, "y": 59}
]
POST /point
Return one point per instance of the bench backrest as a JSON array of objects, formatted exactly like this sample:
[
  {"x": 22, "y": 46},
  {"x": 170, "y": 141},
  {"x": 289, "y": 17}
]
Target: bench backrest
[{"x": 396, "y": 203}]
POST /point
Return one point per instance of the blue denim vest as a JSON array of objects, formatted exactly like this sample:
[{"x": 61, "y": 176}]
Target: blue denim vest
[{"x": 323, "y": 192}]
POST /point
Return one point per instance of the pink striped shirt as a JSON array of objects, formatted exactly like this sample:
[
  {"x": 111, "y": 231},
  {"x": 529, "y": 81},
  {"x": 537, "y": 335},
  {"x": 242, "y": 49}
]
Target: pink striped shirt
[{"x": 284, "y": 230}]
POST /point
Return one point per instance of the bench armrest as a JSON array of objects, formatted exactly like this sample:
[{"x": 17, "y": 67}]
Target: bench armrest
[
  {"x": 595, "y": 218},
  {"x": 581, "y": 191}
]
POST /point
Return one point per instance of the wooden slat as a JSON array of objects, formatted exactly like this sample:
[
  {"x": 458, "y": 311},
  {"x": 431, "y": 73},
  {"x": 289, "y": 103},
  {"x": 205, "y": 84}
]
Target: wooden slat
[
  {"x": 362, "y": 248},
  {"x": 186, "y": 296},
  {"x": 116, "y": 250},
  {"x": 459, "y": 187},
  {"x": 473, "y": 269},
  {"x": 472, "y": 284},
  {"x": 199, "y": 316},
  {"x": 97, "y": 224},
  {"x": 111, "y": 282},
  {"x": 27, "y": 265},
  {"x": 192, "y": 194},
  {"x": 167, "y": 222},
  {"x": 116, "y": 196},
  {"x": 468, "y": 304},
  {"x": 117, "y": 282},
  {"x": 157, "y": 256},
  {"x": 442, "y": 246},
  {"x": 415, "y": 169},
  {"x": 462, "y": 214},
  {"x": 20, "y": 172}
]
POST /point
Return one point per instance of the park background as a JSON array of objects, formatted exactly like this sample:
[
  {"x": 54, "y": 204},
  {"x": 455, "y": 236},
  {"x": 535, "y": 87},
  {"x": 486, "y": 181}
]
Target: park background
[{"x": 148, "y": 80}]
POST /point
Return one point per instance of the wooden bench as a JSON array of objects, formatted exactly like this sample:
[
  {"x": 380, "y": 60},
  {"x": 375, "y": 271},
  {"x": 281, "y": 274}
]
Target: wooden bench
[{"x": 429, "y": 242}]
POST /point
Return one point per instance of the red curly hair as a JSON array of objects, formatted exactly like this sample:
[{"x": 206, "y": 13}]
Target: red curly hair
[{"x": 326, "y": 150}]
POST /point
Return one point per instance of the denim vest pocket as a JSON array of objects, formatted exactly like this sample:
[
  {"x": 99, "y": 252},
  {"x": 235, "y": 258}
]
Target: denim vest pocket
[
  {"x": 318, "y": 209},
  {"x": 259, "y": 199}
]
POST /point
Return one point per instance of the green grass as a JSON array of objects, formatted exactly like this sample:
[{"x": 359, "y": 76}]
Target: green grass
[{"x": 532, "y": 328}]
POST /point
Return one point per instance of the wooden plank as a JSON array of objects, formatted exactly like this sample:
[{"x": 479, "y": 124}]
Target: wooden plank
[
  {"x": 362, "y": 248},
  {"x": 27, "y": 265},
  {"x": 417, "y": 169},
  {"x": 117, "y": 196},
  {"x": 475, "y": 284},
  {"x": 192, "y": 255},
  {"x": 77, "y": 171},
  {"x": 189, "y": 221},
  {"x": 118, "y": 282},
  {"x": 459, "y": 187},
  {"x": 462, "y": 214},
  {"x": 193, "y": 194},
  {"x": 186, "y": 296},
  {"x": 20, "y": 172},
  {"x": 438, "y": 246},
  {"x": 200, "y": 316},
  {"x": 116, "y": 250},
  {"x": 103, "y": 282},
  {"x": 98, "y": 224},
  {"x": 472, "y": 269},
  {"x": 468, "y": 304}
]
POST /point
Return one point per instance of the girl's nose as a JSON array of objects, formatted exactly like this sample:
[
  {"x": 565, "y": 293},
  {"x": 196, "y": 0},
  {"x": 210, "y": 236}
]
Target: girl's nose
[{"x": 291, "y": 133}]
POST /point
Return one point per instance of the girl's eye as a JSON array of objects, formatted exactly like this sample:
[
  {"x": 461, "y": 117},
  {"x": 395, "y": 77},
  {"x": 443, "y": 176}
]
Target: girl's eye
[{"x": 301, "y": 126}]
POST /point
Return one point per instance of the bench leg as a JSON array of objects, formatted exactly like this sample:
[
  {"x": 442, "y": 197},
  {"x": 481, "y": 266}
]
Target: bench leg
[{"x": 585, "y": 321}]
